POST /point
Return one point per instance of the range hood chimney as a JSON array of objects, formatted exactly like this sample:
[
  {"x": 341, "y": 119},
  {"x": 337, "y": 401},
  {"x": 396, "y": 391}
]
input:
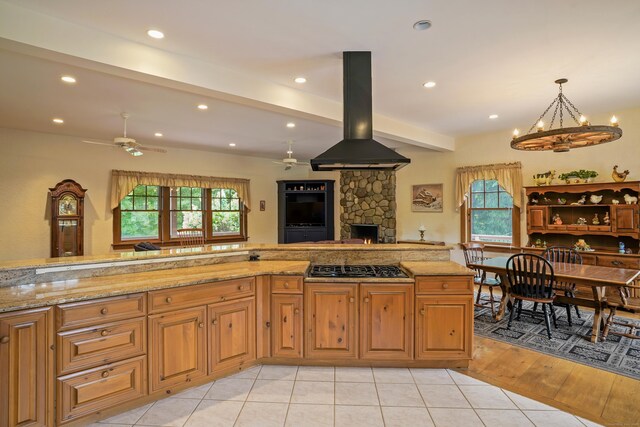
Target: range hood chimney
[{"x": 358, "y": 150}]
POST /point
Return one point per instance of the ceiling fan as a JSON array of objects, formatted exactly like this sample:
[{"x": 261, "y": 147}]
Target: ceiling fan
[
  {"x": 127, "y": 144},
  {"x": 289, "y": 161}
]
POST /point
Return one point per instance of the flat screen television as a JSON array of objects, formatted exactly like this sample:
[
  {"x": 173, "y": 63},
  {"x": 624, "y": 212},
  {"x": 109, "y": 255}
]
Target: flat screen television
[{"x": 305, "y": 213}]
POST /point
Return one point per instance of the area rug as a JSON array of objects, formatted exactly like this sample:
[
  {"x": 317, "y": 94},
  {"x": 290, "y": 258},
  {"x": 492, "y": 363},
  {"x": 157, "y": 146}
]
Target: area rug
[{"x": 617, "y": 354}]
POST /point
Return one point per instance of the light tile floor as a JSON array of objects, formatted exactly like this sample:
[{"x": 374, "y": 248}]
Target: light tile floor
[{"x": 310, "y": 396}]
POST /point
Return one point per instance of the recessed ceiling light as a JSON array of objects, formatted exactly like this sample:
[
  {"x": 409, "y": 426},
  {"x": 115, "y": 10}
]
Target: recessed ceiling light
[
  {"x": 58, "y": 121},
  {"x": 291, "y": 125},
  {"x": 158, "y": 134},
  {"x": 232, "y": 144},
  {"x": 300, "y": 80},
  {"x": 493, "y": 116},
  {"x": 421, "y": 25},
  {"x": 156, "y": 34},
  {"x": 68, "y": 79},
  {"x": 429, "y": 85},
  {"x": 203, "y": 106}
]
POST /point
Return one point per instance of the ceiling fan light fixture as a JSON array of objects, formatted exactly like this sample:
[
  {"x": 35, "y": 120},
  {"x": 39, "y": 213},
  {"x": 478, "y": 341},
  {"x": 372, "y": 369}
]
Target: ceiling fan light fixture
[{"x": 563, "y": 139}]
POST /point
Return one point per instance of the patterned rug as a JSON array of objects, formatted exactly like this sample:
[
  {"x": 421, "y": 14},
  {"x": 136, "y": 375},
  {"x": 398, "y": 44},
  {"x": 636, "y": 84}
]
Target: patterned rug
[{"x": 617, "y": 354}]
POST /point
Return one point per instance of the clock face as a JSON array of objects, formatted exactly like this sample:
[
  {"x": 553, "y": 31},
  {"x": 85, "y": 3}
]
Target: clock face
[{"x": 67, "y": 205}]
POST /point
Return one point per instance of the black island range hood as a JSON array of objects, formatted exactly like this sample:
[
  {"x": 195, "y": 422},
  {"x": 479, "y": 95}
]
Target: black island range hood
[{"x": 358, "y": 150}]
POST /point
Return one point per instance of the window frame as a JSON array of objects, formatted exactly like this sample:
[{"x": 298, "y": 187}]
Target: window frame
[
  {"x": 164, "y": 213},
  {"x": 466, "y": 215}
]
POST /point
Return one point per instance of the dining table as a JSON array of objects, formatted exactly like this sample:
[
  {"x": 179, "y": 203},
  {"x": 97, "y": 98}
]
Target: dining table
[{"x": 596, "y": 277}]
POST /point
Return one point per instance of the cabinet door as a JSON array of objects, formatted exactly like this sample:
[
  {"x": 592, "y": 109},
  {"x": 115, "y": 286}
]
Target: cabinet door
[
  {"x": 317, "y": 234},
  {"x": 444, "y": 327},
  {"x": 386, "y": 321},
  {"x": 330, "y": 320},
  {"x": 295, "y": 235},
  {"x": 536, "y": 218},
  {"x": 286, "y": 325},
  {"x": 232, "y": 334},
  {"x": 626, "y": 219},
  {"x": 26, "y": 368},
  {"x": 177, "y": 347}
]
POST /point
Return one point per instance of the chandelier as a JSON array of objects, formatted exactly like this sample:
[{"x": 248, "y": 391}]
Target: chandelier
[{"x": 563, "y": 139}]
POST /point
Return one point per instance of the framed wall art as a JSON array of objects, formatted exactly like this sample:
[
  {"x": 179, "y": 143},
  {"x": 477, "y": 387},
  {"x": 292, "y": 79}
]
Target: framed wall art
[{"x": 426, "y": 198}]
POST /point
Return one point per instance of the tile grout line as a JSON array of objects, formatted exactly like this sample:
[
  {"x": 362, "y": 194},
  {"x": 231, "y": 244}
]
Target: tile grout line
[{"x": 235, "y": 422}]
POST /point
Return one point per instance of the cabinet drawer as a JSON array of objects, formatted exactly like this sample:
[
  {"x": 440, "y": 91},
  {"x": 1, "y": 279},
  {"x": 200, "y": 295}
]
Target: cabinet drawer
[
  {"x": 87, "y": 313},
  {"x": 286, "y": 284},
  {"x": 444, "y": 284},
  {"x": 103, "y": 387},
  {"x": 172, "y": 299},
  {"x": 618, "y": 262},
  {"x": 89, "y": 347}
]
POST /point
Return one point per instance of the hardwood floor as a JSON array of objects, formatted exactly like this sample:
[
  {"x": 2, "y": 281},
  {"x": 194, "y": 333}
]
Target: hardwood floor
[{"x": 591, "y": 393}]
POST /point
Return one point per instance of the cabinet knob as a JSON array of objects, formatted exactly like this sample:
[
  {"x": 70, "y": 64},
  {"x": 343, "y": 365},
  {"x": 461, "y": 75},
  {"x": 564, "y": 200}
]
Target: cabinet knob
[
  {"x": 453, "y": 331},
  {"x": 169, "y": 300},
  {"x": 4, "y": 340},
  {"x": 366, "y": 299},
  {"x": 241, "y": 288},
  {"x": 201, "y": 325},
  {"x": 104, "y": 332},
  {"x": 214, "y": 322},
  {"x": 105, "y": 374},
  {"x": 268, "y": 324},
  {"x": 445, "y": 285},
  {"x": 616, "y": 262},
  {"x": 352, "y": 299},
  {"x": 296, "y": 311},
  {"x": 104, "y": 311},
  {"x": 422, "y": 312},
  {"x": 223, "y": 298},
  {"x": 286, "y": 285}
]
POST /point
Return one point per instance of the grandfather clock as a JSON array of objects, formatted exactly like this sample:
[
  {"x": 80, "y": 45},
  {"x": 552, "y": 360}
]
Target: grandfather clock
[{"x": 67, "y": 219}]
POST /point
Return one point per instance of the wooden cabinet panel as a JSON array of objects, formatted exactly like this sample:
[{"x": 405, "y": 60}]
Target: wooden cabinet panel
[
  {"x": 177, "y": 347},
  {"x": 386, "y": 321},
  {"x": 87, "y": 313},
  {"x": 444, "y": 327},
  {"x": 618, "y": 262},
  {"x": 625, "y": 219},
  {"x": 173, "y": 299},
  {"x": 286, "y": 284},
  {"x": 26, "y": 368},
  {"x": 232, "y": 334},
  {"x": 286, "y": 326},
  {"x": 444, "y": 284},
  {"x": 86, "y": 348},
  {"x": 536, "y": 218},
  {"x": 330, "y": 321},
  {"x": 103, "y": 387}
]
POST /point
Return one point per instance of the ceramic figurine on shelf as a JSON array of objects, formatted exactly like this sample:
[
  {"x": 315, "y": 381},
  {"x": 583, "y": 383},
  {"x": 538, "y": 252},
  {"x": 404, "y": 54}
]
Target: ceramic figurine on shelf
[
  {"x": 595, "y": 199},
  {"x": 581, "y": 221},
  {"x": 581, "y": 245},
  {"x": 606, "y": 220},
  {"x": 546, "y": 200},
  {"x": 619, "y": 176},
  {"x": 595, "y": 220},
  {"x": 534, "y": 200},
  {"x": 561, "y": 201},
  {"x": 630, "y": 200},
  {"x": 582, "y": 200},
  {"x": 615, "y": 201},
  {"x": 557, "y": 220}
]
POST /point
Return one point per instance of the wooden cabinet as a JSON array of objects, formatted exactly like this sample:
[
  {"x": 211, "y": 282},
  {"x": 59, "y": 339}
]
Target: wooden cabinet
[
  {"x": 177, "y": 347},
  {"x": 331, "y": 321},
  {"x": 286, "y": 284},
  {"x": 536, "y": 218},
  {"x": 625, "y": 218},
  {"x": 305, "y": 211},
  {"x": 208, "y": 293},
  {"x": 286, "y": 326},
  {"x": 386, "y": 321},
  {"x": 444, "y": 327},
  {"x": 26, "y": 368},
  {"x": 87, "y": 313},
  {"x": 232, "y": 334}
]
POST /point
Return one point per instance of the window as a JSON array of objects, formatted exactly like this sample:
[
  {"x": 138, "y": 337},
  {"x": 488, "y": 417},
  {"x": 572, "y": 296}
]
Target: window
[
  {"x": 490, "y": 217},
  {"x": 151, "y": 213}
]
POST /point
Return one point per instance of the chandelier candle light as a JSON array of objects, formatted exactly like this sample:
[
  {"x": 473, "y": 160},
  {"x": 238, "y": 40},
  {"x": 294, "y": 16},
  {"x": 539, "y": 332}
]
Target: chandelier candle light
[{"x": 563, "y": 139}]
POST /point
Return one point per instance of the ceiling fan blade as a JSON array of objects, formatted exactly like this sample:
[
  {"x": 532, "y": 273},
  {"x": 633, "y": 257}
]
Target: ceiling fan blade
[
  {"x": 302, "y": 164},
  {"x": 279, "y": 163},
  {"x": 287, "y": 167},
  {"x": 155, "y": 149},
  {"x": 98, "y": 143}
]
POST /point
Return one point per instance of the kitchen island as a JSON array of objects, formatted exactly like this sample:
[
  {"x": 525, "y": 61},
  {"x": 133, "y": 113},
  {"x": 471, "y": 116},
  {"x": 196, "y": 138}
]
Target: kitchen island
[{"x": 126, "y": 333}]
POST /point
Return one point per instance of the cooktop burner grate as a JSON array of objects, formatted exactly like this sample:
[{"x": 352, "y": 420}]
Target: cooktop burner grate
[{"x": 390, "y": 271}]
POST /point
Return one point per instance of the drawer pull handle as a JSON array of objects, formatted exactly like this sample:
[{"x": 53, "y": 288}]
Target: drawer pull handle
[
  {"x": 422, "y": 312},
  {"x": 105, "y": 374},
  {"x": 214, "y": 322},
  {"x": 104, "y": 311},
  {"x": 616, "y": 262},
  {"x": 4, "y": 340},
  {"x": 366, "y": 300},
  {"x": 445, "y": 285},
  {"x": 296, "y": 311},
  {"x": 352, "y": 299},
  {"x": 104, "y": 332},
  {"x": 169, "y": 300},
  {"x": 223, "y": 298},
  {"x": 286, "y": 285},
  {"x": 201, "y": 325},
  {"x": 452, "y": 332}
]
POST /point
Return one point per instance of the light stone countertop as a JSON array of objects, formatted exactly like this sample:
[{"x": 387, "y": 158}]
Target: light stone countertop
[{"x": 436, "y": 268}]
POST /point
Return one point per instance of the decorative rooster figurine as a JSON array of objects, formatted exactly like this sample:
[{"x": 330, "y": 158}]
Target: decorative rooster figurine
[{"x": 617, "y": 176}]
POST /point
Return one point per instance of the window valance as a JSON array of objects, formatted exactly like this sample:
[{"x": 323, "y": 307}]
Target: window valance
[
  {"x": 508, "y": 175},
  {"x": 123, "y": 183}
]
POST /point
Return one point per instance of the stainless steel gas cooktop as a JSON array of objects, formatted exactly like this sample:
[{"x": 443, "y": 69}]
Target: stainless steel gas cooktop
[{"x": 384, "y": 271}]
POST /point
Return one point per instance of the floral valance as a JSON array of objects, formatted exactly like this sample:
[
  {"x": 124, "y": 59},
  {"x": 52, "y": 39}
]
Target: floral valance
[
  {"x": 123, "y": 183},
  {"x": 508, "y": 175}
]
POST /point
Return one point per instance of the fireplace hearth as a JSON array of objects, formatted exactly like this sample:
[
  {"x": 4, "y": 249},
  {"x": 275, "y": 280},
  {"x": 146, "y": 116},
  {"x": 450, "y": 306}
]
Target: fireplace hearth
[{"x": 367, "y": 232}]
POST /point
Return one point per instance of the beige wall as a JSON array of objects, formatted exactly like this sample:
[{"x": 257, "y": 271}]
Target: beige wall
[
  {"x": 31, "y": 163},
  {"x": 432, "y": 168}
]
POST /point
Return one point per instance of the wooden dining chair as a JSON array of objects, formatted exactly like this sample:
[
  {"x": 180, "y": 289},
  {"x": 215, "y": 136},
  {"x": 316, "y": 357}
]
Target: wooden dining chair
[
  {"x": 473, "y": 253},
  {"x": 191, "y": 237},
  {"x": 531, "y": 278},
  {"x": 568, "y": 256},
  {"x": 625, "y": 298}
]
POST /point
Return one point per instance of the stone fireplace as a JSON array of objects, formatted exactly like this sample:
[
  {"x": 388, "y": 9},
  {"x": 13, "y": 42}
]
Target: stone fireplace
[
  {"x": 368, "y": 197},
  {"x": 367, "y": 232}
]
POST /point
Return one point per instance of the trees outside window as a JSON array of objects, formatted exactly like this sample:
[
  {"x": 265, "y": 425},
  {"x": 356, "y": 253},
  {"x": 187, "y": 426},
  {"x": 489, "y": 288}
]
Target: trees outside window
[{"x": 490, "y": 216}]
